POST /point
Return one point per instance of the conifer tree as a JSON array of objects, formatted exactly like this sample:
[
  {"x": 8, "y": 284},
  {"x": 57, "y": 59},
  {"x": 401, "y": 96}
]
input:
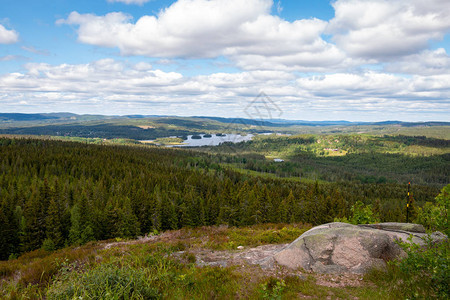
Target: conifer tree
[
  {"x": 157, "y": 205},
  {"x": 283, "y": 212},
  {"x": 5, "y": 234},
  {"x": 87, "y": 234},
  {"x": 268, "y": 210},
  {"x": 54, "y": 224},
  {"x": 129, "y": 223},
  {"x": 35, "y": 223},
  {"x": 76, "y": 226},
  {"x": 253, "y": 215},
  {"x": 21, "y": 225}
]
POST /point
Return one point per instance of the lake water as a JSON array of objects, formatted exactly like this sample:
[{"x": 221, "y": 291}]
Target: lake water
[{"x": 214, "y": 140}]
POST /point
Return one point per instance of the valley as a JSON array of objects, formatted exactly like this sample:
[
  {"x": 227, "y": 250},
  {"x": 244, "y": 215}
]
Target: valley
[{"x": 63, "y": 195}]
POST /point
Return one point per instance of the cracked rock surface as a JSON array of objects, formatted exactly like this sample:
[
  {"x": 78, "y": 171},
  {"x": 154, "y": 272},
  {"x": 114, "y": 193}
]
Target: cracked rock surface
[{"x": 346, "y": 248}]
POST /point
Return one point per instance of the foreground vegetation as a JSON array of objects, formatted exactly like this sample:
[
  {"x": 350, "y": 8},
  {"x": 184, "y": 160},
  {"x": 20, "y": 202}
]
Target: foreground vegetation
[
  {"x": 165, "y": 267},
  {"x": 424, "y": 274},
  {"x": 145, "y": 271}
]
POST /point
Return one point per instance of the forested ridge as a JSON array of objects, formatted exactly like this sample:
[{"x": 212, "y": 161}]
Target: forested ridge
[
  {"x": 105, "y": 130},
  {"x": 56, "y": 193},
  {"x": 364, "y": 158}
]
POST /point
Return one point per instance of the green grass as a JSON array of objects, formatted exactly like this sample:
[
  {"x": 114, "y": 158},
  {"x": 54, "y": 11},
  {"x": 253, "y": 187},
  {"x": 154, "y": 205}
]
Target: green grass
[
  {"x": 169, "y": 141},
  {"x": 253, "y": 236},
  {"x": 149, "y": 271}
]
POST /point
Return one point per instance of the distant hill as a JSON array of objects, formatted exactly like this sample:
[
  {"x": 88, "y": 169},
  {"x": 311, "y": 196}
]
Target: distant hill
[
  {"x": 25, "y": 117},
  {"x": 242, "y": 121},
  {"x": 148, "y": 127},
  {"x": 20, "y": 117},
  {"x": 50, "y": 117},
  {"x": 284, "y": 123}
]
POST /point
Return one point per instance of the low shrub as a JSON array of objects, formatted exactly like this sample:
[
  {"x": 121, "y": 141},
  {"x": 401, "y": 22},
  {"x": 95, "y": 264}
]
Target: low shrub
[
  {"x": 39, "y": 272},
  {"x": 423, "y": 274},
  {"x": 5, "y": 269},
  {"x": 426, "y": 270},
  {"x": 435, "y": 216},
  {"x": 272, "y": 289},
  {"x": 361, "y": 214},
  {"x": 48, "y": 245}
]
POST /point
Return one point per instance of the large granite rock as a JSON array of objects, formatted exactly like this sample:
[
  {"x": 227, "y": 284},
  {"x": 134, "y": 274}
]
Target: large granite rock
[{"x": 346, "y": 248}]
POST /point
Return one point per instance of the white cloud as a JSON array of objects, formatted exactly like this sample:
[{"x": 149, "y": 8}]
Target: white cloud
[
  {"x": 279, "y": 7},
  {"x": 386, "y": 29},
  {"x": 103, "y": 76},
  {"x": 115, "y": 87},
  {"x": 13, "y": 57},
  {"x": 354, "y": 85},
  {"x": 384, "y": 92},
  {"x": 188, "y": 28},
  {"x": 35, "y": 51},
  {"x": 278, "y": 44},
  {"x": 425, "y": 63},
  {"x": 243, "y": 31},
  {"x": 8, "y": 36},
  {"x": 327, "y": 58},
  {"x": 138, "y": 2},
  {"x": 364, "y": 32}
]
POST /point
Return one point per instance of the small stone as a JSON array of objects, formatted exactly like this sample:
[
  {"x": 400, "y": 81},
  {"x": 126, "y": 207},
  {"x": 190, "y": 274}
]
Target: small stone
[{"x": 240, "y": 247}]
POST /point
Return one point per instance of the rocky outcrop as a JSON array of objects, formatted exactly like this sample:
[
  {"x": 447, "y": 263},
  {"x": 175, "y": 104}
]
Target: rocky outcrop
[{"x": 345, "y": 248}]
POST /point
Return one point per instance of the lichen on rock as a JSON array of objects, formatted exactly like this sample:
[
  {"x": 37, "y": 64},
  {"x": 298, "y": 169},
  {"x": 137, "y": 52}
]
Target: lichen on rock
[{"x": 346, "y": 248}]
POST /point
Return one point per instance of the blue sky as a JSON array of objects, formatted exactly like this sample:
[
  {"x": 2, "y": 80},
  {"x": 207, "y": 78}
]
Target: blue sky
[{"x": 360, "y": 60}]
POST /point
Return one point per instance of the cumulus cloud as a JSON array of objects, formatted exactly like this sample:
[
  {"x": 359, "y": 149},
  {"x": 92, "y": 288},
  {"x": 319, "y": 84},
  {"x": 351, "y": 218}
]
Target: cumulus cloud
[
  {"x": 354, "y": 86},
  {"x": 243, "y": 31},
  {"x": 138, "y": 2},
  {"x": 188, "y": 28},
  {"x": 110, "y": 87},
  {"x": 389, "y": 36},
  {"x": 382, "y": 92},
  {"x": 387, "y": 29},
  {"x": 363, "y": 31},
  {"x": 427, "y": 62},
  {"x": 8, "y": 36},
  {"x": 103, "y": 76}
]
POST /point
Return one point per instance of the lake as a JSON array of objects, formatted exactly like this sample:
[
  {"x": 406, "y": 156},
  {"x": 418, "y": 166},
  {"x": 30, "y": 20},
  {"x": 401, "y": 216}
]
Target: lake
[{"x": 214, "y": 140}]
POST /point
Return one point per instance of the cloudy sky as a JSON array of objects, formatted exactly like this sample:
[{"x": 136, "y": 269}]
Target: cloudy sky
[{"x": 358, "y": 60}]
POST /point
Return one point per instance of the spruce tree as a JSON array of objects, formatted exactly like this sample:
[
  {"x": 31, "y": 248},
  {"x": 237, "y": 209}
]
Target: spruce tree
[
  {"x": 35, "y": 223},
  {"x": 75, "y": 227},
  {"x": 158, "y": 210},
  {"x": 54, "y": 224},
  {"x": 5, "y": 234},
  {"x": 21, "y": 225},
  {"x": 129, "y": 223}
]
